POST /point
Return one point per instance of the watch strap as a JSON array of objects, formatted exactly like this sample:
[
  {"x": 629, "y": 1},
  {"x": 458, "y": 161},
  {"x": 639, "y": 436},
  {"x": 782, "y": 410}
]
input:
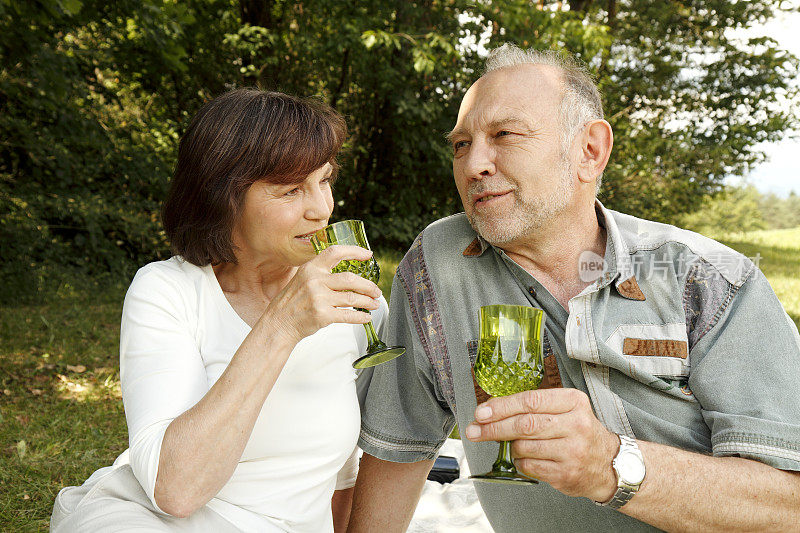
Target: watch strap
[
  {"x": 620, "y": 498},
  {"x": 624, "y": 491}
]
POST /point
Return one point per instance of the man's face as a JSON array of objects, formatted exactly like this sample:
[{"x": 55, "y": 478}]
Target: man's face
[{"x": 508, "y": 163}]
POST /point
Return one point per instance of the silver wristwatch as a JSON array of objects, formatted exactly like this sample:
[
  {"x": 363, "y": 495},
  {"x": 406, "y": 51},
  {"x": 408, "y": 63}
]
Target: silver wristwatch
[{"x": 629, "y": 466}]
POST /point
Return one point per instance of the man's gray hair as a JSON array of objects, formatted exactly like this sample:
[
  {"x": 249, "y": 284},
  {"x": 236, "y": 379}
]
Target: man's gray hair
[{"x": 580, "y": 102}]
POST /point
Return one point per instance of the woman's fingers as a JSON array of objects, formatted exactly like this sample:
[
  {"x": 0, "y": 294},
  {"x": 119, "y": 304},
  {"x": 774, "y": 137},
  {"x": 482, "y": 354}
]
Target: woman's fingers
[
  {"x": 316, "y": 298},
  {"x": 352, "y": 299},
  {"x": 350, "y": 316},
  {"x": 347, "y": 281},
  {"x": 331, "y": 256}
]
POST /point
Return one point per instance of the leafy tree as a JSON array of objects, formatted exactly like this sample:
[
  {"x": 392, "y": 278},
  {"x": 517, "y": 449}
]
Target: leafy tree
[
  {"x": 94, "y": 96},
  {"x": 735, "y": 209},
  {"x": 780, "y": 213},
  {"x": 394, "y": 70}
]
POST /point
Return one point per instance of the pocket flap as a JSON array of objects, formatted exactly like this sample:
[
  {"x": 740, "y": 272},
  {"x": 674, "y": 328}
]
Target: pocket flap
[
  {"x": 643, "y": 351},
  {"x": 655, "y": 347}
]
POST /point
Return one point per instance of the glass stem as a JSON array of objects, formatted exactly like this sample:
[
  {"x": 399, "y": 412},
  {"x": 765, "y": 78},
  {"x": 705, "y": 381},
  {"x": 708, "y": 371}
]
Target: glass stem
[
  {"x": 373, "y": 341},
  {"x": 504, "y": 462}
]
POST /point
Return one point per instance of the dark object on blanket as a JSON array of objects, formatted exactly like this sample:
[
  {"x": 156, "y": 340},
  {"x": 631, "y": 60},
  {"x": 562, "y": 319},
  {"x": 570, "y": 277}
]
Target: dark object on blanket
[{"x": 445, "y": 469}]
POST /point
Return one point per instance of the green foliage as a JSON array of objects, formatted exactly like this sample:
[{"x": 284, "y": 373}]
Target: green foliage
[
  {"x": 94, "y": 96},
  {"x": 778, "y": 212},
  {"x": 743, "y": 209},
  {"x": 734, "y": 209},
  {"x": 82, "y": 169}
]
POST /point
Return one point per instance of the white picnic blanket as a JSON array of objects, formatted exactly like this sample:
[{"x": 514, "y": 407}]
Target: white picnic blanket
[{"x": 450, "y": 507}]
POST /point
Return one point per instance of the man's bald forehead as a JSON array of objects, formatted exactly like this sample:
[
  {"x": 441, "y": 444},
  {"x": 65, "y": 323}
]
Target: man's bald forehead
[
  {"x": 534, "y": 73},
  {"x": 527, "y": 81}
]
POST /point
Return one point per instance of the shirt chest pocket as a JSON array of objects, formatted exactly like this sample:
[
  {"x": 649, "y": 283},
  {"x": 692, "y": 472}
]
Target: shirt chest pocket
[{"x": 654, "y": 354}]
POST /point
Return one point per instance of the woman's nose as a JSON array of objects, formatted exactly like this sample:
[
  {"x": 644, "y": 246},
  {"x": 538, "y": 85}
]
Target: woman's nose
[{"x": 319, "y": 204}]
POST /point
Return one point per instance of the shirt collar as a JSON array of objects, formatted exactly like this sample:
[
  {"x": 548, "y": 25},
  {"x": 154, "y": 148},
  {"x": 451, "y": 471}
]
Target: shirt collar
[
  {"x": 476, "y": 247},
  {"x": 618, "y": 266}
]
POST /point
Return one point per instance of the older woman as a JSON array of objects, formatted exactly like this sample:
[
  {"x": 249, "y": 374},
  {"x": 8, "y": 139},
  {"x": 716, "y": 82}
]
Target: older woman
[{"x": 235, "y": 354}]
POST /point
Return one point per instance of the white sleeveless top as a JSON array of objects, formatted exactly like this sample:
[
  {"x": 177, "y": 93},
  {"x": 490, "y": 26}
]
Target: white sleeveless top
[{"x": 178, "y": 334}]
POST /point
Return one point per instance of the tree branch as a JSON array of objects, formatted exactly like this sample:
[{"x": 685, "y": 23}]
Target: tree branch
[{"x": 342, "y": 78}]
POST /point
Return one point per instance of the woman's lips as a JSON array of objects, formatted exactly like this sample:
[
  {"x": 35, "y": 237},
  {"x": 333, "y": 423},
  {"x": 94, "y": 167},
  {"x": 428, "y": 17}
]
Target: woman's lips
[{"x": 306, "y": 236}]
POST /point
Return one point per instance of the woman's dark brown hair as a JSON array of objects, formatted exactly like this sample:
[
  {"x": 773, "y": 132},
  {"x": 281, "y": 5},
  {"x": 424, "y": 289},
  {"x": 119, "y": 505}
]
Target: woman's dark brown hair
[{"x": 236, "y": 139}]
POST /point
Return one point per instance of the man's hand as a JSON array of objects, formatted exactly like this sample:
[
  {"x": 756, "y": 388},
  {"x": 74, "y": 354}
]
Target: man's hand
[{"x": 556, "y": 438}]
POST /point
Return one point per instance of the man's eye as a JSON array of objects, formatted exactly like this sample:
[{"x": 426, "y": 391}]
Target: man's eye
[
  {"x": 292, "y": 192},
  {"x": 460, "y": 144},
  {"x": 503, "y": 133}
]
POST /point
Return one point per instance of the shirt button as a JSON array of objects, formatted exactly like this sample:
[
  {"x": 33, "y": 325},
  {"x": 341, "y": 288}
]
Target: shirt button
[{"x": 532, "y": 291}]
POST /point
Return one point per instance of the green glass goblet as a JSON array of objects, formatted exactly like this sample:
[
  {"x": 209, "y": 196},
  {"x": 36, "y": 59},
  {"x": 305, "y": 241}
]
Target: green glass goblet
[
  {"x": 351, "y": 232},
  {"x": 509, "y": 361}
]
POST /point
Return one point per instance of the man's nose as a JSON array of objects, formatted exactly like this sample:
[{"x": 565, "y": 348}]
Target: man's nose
[{"x": 480, "y": 160}]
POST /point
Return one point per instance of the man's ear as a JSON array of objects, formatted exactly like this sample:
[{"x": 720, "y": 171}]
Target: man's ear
[{"x": 596, "y": 141}]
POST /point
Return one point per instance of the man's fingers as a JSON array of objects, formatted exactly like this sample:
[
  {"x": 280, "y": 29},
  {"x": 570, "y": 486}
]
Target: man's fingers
[
  {"x": 553, "y": 401},
  {"x": 524, "y": 426},
  {"x": 541, "y": 469},
  {"x": 555, "y": 449},
  {"x": 331, "y": 256}
]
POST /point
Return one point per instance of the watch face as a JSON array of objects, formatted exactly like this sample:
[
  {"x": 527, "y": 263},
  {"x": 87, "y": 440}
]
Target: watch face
[{"x": 630, "y": 468}]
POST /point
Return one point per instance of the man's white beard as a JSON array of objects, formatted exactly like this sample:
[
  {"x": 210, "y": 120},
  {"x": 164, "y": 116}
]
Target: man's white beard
[{"x": 526, "y": 216}]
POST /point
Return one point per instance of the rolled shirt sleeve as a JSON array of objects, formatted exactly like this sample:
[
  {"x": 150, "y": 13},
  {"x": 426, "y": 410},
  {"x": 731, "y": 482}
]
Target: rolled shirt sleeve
[
  {"x": 744, "y": 373},
  {"x": 161, "y": 370},
  {"x": 403, "y": 415}
]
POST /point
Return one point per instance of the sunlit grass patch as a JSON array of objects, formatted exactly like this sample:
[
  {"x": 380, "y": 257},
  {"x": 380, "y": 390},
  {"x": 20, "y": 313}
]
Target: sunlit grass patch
[
  {"x": 778, "y": 253},
  {"x": 84, "y": 388},
  {"x": 781, "y": 239}
]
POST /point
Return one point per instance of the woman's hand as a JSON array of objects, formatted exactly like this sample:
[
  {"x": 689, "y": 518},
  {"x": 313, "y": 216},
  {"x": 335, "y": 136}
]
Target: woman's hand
[{"x": 315, "y": 298}]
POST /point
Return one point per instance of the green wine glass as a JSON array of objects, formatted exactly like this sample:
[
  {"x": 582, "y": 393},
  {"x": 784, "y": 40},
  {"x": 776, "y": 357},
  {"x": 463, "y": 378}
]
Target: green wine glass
[
  {"x": 509, "y": 361},
  {"x": 351, "y": 232}
]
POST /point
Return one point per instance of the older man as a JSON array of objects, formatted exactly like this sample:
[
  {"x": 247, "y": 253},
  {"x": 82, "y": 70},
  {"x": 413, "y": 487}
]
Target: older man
[{"x": 670, "y": 398}]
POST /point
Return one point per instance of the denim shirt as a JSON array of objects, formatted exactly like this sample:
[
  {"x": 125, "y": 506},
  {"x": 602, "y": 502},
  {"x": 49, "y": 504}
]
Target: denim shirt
[{"x": 680, "y": 340}]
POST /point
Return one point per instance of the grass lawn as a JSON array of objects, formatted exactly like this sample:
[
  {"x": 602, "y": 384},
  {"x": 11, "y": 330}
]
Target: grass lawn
[
  {"x": 778, "y": 253},
  {"x": 60, "y": 406},
  {"x": 61, "y": 413}
]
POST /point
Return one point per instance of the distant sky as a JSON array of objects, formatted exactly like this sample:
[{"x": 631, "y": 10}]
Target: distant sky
[{"x": 781, "y": 173}]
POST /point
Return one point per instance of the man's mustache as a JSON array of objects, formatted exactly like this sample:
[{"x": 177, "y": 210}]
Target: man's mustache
[{"x": 478, "y": 187}]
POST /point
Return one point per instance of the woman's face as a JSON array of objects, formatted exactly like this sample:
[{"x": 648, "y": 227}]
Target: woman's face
[{"x": 277, "y": 220}]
